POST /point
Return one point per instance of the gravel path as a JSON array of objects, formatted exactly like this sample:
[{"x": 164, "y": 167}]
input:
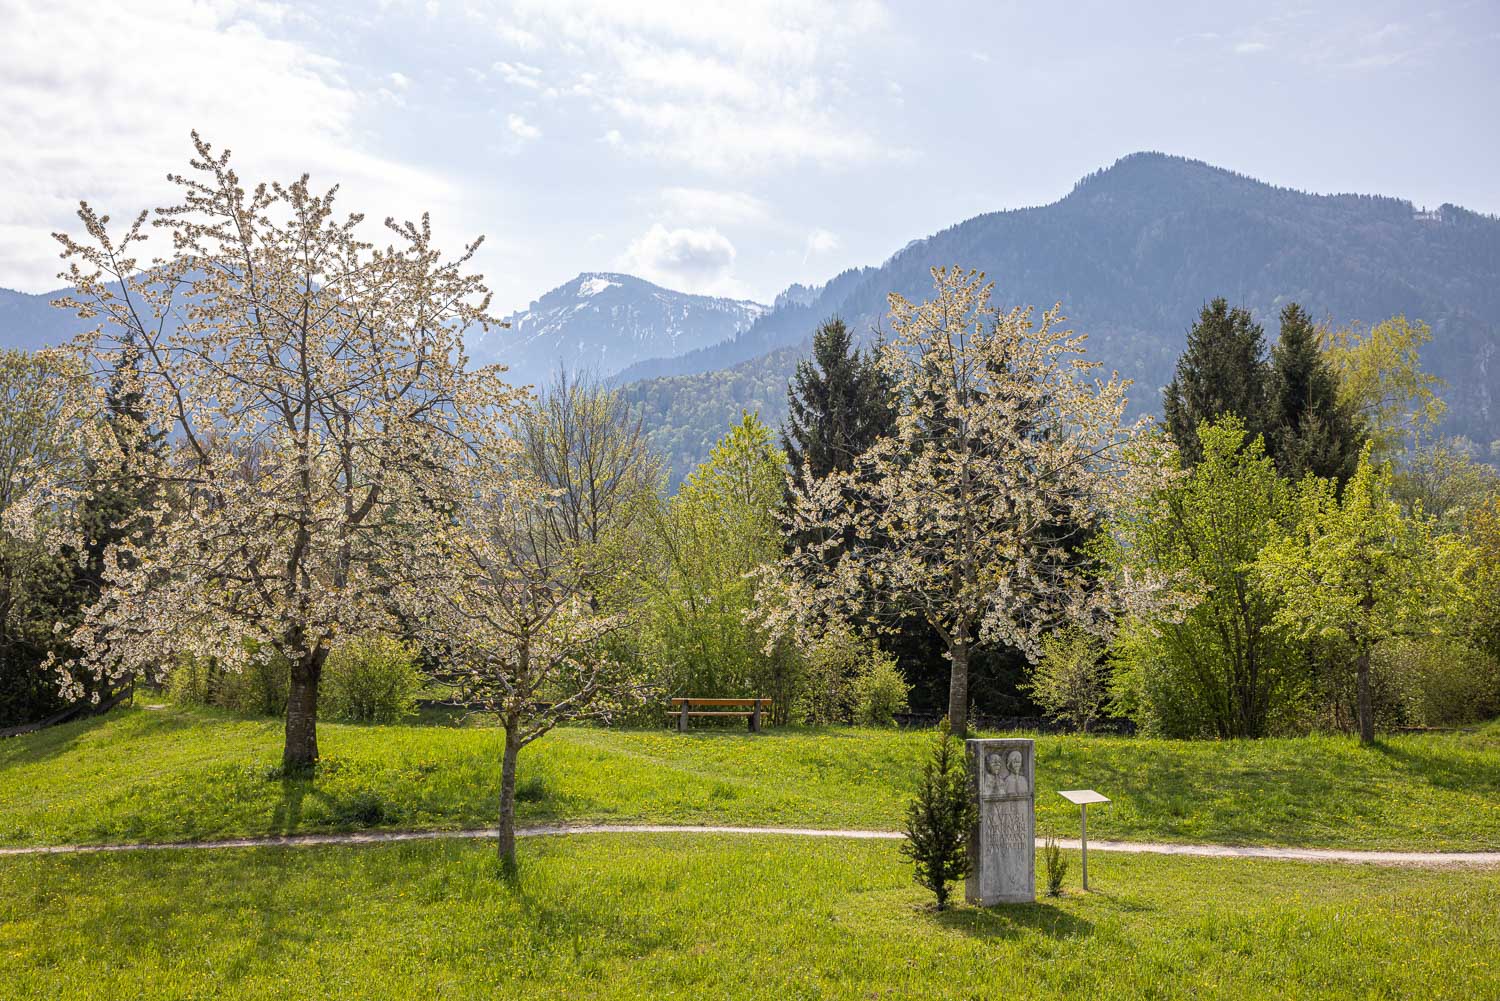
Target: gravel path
[{"x": 1407, "y": 859}]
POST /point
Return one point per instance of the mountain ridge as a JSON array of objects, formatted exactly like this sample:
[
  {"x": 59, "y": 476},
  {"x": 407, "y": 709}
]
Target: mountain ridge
[
  {"x": 1134, "y": 250},
  {"x": 604, "y": 321}
]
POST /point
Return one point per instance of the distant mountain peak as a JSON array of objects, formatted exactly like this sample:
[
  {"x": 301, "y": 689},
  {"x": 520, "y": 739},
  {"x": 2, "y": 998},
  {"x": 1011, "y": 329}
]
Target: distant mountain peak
[{"x": 604, "y": 321}]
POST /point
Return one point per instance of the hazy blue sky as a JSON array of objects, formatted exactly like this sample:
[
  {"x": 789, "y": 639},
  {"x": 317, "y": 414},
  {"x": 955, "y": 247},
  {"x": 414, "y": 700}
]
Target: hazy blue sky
[{"x": 730, "y": 149}]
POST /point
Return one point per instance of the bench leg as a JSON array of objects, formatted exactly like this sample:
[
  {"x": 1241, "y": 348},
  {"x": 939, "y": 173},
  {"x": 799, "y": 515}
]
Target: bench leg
[
  {"x": 682, "y": 719},
  {"x": 755, "y": 718}
]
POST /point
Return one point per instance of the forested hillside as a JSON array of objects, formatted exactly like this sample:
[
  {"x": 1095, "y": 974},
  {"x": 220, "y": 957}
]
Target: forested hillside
[
  {"x": 685, "y": 414},
  {"x": 1133, "y": 253}
]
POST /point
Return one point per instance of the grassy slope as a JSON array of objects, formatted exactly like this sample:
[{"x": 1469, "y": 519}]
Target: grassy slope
[
  {"x": 673, "y": 916},
  {"x": 165, "y": 775}
]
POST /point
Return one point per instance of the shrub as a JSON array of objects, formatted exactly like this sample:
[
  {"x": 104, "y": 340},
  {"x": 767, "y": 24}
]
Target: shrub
[
  {"x": 880, "y": 692},
  {"x": 939, "y": 819},
  {"x": 370, "y": 679},
  {"x": 189, "y": 680},
  {"x": 847, "y": 679},
  {"x": 259, "y": 689},
  {"x": 1056, "y": 865},
  {"x": 1070, "y": 678},
  {"x": 1437, "y": 682},
  {"x": 827, "y": 693}
]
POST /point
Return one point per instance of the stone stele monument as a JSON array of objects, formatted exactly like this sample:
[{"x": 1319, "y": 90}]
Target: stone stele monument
[{"x": 1002, "y": 844}]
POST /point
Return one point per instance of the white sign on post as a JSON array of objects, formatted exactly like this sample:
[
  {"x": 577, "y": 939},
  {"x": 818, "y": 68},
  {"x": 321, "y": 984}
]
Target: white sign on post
[{"x": 1083, "y": 797}]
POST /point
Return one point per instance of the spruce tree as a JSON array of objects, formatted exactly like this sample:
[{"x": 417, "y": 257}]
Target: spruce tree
[
  {"x": 939, "y": 820},
  {"x": 113, "y": 510},
  {"x": 1312, "y": 432},
  {"x": 838, "y": 402},
  {"x": 1222, "y": 371}
]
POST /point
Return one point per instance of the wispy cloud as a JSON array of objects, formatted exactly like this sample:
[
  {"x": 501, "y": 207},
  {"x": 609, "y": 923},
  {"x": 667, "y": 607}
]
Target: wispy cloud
[
  {"x": 731, "y": 89},
  {"x": 521, "y": 128},
  {"x": 702, "y": 205},
  {"x": 224, "y": 68},
  {"x": 695, "y": 260}
]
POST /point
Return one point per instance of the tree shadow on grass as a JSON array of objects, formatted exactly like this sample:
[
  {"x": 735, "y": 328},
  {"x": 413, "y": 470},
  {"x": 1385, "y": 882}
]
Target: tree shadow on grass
[
  {"x": 287, "y": 816},
  {"x": 358, "y": 810},
  {"x": 573, "y": 916},
  {"x": 54, "y": 741},
  {"x": 1469, "y": 773},
  {"x": 1008, "y": 921}
]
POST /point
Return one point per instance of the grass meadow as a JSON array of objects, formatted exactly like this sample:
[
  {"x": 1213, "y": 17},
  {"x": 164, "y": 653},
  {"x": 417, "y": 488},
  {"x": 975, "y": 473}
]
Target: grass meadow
[
  {"x": 666, "y": 916},
  {"x": 173, "y": 774},
  {"x": 676, "y": 915}
]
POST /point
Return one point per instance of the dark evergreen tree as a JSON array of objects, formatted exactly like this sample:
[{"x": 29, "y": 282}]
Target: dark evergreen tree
[
  {"x": 1222, "y": 371},
  {"x": 838, "y": 403},
  {"x": 113, "y": 513},
  {"x": 1311, "y": 431},
  {"x": 939, "y": 820}
]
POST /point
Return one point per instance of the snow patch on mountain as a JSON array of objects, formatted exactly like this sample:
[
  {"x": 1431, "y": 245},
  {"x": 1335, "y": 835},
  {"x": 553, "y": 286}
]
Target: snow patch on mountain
[
  {"x": 604, "y": 322},
  {"x": 593, "y": 286}
]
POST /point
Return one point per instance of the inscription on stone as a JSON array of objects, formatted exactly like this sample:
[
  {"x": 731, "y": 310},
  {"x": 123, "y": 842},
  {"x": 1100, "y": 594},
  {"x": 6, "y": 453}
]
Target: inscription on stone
[{"x": 1002, "y": 845}]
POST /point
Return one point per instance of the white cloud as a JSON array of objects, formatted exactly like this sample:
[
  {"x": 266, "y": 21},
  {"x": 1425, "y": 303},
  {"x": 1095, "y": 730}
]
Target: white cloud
[
  {"x": 734, "y": 88},
  {"x": 81, "y": 122},
  {"x": 520, "y": 74},
  {"x": 1250, "y": 48},
  {"x": 612, "y": 138},
  {"x": 701, "y": 205},
  {"x": 518, "y": 37},
  {"x": 693, "y": 260},
  {"x": 400, "y": 81},
  {"x": 820, "y": 241},
  {"x": 521, "y": 128}
]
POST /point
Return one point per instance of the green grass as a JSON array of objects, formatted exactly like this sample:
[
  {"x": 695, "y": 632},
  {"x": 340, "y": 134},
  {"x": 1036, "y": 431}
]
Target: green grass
[
  {"x": 678, "y": 916},
  {"x": 139, "y": 775}
]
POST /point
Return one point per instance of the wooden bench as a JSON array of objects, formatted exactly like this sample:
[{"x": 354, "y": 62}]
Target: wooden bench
[{"x": 683, "y": 710}]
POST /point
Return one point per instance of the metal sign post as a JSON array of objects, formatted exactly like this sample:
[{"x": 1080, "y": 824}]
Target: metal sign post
[{"x": 1083, "y": 797}]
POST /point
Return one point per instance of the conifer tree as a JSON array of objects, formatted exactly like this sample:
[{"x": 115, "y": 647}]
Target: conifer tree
[
  {"x": 118, "y": 493},
  {"x": 1222, "y": 371},
  {"x": 1312, "y": 431},
  {"x": 938, "y": 820},
  {"x": 838, "y": 403}
]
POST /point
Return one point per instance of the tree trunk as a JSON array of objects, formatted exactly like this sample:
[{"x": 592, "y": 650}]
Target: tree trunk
[
  {"x": 1362, "y": 676},
  {"x": 300, "y": 754},
  {"x": 1366, "y": 701},
  {"x": 958, "y": 688},
  {"x": 507, "y": 830}
]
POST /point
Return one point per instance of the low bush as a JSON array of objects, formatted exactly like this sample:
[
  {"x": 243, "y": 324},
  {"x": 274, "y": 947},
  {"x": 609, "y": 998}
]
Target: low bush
[
  {"x": 880, "y": 691},
  {"x": 370, "y": 679},
  {"x": 847, "y": 679},
  {"x": 1437, "y": 681},
  {"x": 259, "y": 689}
]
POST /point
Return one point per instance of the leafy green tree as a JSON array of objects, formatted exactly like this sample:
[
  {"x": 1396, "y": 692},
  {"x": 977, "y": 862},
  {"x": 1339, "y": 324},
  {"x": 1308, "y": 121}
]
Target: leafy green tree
[
  {"x": 1222, "y": 371},
  {"x": 1482, "y": 532},
  {"x": 708, "y": 541},
  {"x": 1223, "y": 669},
  {"x": 1312, "y": 429},
  {"x": 1356, "y": 570},
  {"x": 1439, "y": 477},
  {"x": 939, "y": 820},
  {"x": 1070, "y": 680},
  {"x": 1381, "y": 378}
]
